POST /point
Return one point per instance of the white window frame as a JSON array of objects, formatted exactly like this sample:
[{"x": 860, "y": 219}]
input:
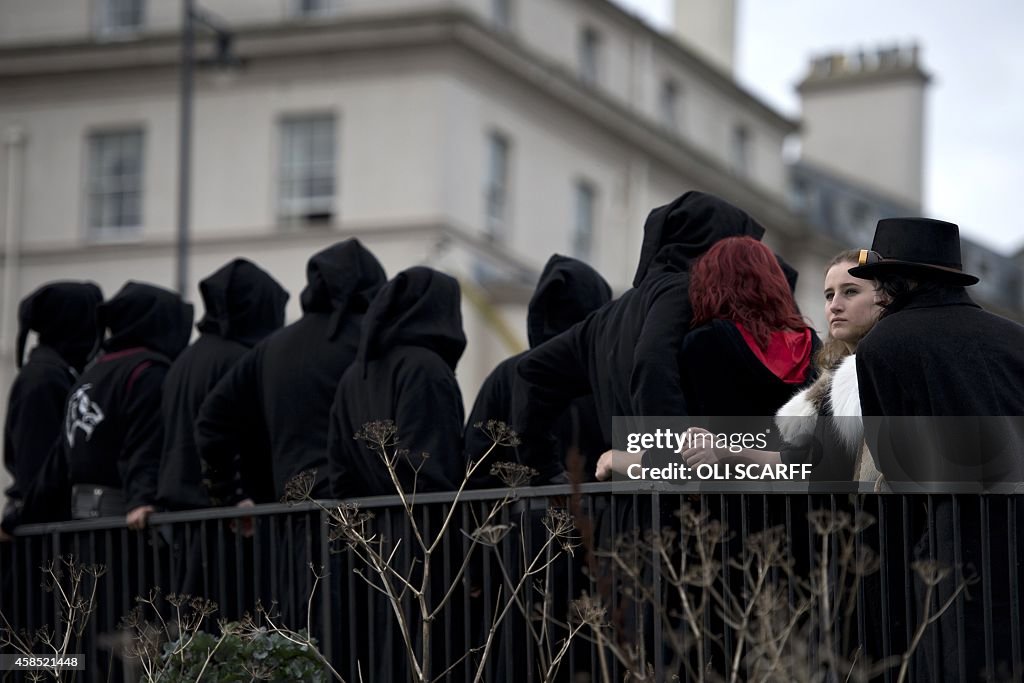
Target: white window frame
[
  {"x": 103, "y": 186},
  {"x": 300, "y": 168},
  {"x": 501, "y": 14},
  {"x": 584, "y": 219},
  {"x": 497, "y": 186},
  {"x": 107, "y": 11},
  {"x": 327, "y": 8},
  {"x": 590, "y": 48},
  {"x": 741, "y": 150},
  {"x": 670, "y": 97}
]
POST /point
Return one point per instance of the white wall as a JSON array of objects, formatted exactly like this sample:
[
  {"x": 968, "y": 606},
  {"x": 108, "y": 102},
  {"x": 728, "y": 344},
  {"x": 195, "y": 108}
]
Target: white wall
[{"x": 871, "y": 133}]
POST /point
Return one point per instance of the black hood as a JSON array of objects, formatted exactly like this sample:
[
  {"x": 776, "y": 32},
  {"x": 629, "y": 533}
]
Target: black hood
[
  {"x": 243, "y": 303},
  {"x": 63, "y": 314},
  {"x": 418, "y": 307},
  {"x": 146, "y": 315},
  {"x": 679, "y": 232},
  {"x": 342, "y": 278},
  {"x": 790, "y": 272},
  {"x": 567, "y": 292}
]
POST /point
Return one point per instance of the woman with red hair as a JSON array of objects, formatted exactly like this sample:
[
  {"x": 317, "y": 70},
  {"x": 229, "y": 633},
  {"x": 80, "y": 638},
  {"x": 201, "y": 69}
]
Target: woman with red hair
[{"x": 749, "y": 349}]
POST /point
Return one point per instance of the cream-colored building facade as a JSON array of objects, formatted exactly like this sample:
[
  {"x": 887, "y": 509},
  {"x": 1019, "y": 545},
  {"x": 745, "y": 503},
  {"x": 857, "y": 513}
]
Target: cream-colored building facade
[{"x": 476, "y": 136}]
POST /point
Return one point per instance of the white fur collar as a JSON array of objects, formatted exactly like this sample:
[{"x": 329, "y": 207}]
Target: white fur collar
[
  {"x": 796, "y": 419},
  {"x": 845, "y": 399}
]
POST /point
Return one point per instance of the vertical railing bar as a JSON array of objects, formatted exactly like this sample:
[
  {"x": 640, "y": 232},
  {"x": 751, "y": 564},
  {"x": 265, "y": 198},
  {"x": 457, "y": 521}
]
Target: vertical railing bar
[
  {"x": 958, "y": 563},
  {"x": 326, "y": 588},
  {"x": 883, "y": 569},
  {"x": 1015, "y": 583},
  {"x": 986, "y": 586}
]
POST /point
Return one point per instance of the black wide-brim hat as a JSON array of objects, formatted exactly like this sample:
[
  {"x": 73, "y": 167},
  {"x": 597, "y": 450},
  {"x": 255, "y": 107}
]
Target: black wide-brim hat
[{"x": 920, "y": 248}]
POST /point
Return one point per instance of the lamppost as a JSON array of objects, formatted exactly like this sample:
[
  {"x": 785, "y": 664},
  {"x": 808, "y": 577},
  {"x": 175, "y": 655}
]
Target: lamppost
[{"x": 191, "y": 17}]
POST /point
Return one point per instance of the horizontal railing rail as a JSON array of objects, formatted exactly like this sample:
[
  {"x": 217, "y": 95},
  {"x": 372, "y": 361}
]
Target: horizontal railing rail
[{"x": 662, "y": 580}]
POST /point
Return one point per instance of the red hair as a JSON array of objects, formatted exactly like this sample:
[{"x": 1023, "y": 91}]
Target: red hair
[{"x": 740, "y": 280}]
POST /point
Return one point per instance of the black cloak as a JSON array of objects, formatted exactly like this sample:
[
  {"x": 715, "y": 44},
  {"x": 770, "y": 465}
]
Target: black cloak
[
  {"x": 63, "y": 314},
  {"x": 113, "y": 430},
  {"x": 567, "y": 292},
  {"x": 942, "y": 356},
  {"x": 626, "y": 353},
  {"x": 412, "y": 340},
  {"x": 286, "y": 383},
  {"x": 243, "y": 304}
]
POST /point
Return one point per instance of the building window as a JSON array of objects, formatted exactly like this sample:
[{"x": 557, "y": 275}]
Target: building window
[
  {"x": 501, "y": 14},
  {"x": 590, "y": 56},
  {"x": 115, "y": 184},
  {"x": 583, "y": 229},
  {"x": 496, "y": 191},
  {"x": 312, "y": 8},
  {"x": 741, "y": 150},
  {"x": 668, "y": 105},
  {"x": 307, "y": 168},
  {"x": 120, "y": 16}
]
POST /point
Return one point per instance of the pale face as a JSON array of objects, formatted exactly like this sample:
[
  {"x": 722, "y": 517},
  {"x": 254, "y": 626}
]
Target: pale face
[{"x": 851, "y": 304}]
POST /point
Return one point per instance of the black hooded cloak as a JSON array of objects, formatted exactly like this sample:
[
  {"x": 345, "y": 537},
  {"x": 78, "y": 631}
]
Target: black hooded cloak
[
  {"x": 244, "y": 304},
  {"x": 286, "y": 383},
  {"x": 113, "y": 430},
  {"x": 626, "y": 353},
  {"x": 63, "y": 314},
  {"x": 405, "y": 372},
  {"x": 568, "y": 291}
]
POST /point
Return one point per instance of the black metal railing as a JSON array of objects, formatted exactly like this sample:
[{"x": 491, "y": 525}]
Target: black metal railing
[{"x": 642, "y": 563}]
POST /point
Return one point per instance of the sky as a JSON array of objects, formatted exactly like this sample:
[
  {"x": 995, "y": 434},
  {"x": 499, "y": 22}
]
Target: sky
[{"x": 974, "y": 149}]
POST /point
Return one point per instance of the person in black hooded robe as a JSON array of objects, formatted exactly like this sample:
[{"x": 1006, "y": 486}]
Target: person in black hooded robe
[
  {"x": 113, "y": 429},
  {"x": 626, "y": 353},
  {"x": 244, "y": 304},
  {"x": 63, "y": 314},
  {"x": 404, "y": 372},
  {"x": 286, "y": 384},
  {"x": 567, "y": 292},
  {"x": 412, "y": 340}
]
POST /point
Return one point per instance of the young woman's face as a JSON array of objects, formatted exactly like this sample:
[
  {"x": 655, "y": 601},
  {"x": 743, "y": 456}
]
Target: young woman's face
[{"x": 851, "y": 304}]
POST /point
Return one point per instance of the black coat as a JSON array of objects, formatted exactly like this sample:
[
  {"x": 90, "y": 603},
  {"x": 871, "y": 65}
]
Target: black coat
[
  {"x": 113, "y": 428},
  {"x": 724, "y": 377},
  {"x": 285, "y": 385},
  {"x": 35, "y": 415},
  {"x": 626, "y": 353},
  {"x": 567, "y": 292},
  {"x": 411, "y": 342},
  {"x": 243, "y": 305},
  {"x": 943, "y": 355},
  {"x": 63, "y": 314}
]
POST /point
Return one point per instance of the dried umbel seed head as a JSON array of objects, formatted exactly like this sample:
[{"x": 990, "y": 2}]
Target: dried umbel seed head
[
  {"x": 300, "y": 487},
  {"x": 378, "y": 433},
  {"x": 589, "y": 610},
  {"x": 491, "y": 534},
  {"x": 499, "y": 432},
  {"x": 513, "y": 475}
]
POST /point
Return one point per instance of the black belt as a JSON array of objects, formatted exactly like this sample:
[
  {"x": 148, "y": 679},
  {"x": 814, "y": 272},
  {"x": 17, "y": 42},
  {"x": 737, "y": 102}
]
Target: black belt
[{"x": 91, "y": 500}]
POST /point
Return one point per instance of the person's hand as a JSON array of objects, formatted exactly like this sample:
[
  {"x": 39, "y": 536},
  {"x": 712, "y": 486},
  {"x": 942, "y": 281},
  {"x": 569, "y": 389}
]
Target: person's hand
[
  {"x": 615, "y": 462},
  {"x": 604, "y": 465},
  {"x": 703, "y": 453},
  {"x": 136, "y": 518},
  {"x": 244, "y": 525},
  {"x": 5, "y": 537}
]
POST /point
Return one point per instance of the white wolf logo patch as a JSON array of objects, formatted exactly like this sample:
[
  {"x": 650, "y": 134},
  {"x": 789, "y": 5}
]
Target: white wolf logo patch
[{"x": 82, "y": 414}]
